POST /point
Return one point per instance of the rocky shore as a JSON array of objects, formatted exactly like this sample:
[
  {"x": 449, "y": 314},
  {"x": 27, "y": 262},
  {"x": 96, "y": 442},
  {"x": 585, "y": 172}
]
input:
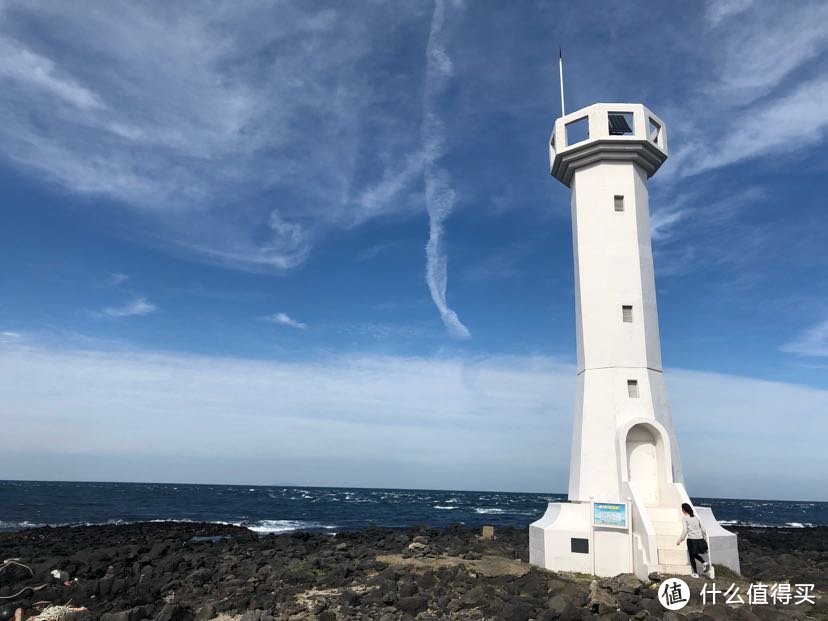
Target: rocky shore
[{"x": 197, "y": 572}]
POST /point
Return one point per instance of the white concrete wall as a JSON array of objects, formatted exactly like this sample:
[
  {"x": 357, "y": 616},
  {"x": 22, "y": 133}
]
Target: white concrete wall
[
  {"x": 550, "y": 538},
  {"x": 724, "y": 546},
  {"x": 550, "y": 542},
  {"x": 613, "y": 267}
]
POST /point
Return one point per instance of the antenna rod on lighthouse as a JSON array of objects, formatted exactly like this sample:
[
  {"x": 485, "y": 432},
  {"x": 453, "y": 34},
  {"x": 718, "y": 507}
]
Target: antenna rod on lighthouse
[{"x": 560, "y": 71}]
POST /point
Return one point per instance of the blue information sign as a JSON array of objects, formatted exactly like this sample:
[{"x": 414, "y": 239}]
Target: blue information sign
[{"x": 609, "y": 514}]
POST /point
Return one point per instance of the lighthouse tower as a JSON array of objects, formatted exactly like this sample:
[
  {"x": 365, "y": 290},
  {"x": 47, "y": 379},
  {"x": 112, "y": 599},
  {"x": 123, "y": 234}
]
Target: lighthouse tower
[{"x": 625, "y": 480}]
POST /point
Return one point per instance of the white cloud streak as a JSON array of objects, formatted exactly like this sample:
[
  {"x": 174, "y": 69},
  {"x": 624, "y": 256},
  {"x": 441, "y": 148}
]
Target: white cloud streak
[
  {"x": 750, "y": 105},
  {"x": 811, "y": 342},
  {"x": 115, "y": 278},
  {"x": 283, "y": 319},
  {"x": 720, "y": 10},
  {"x": 33, "y": 70},
  {"x": 440, "y": 196},
  {"x": 461, "y": 423},
  {"x": 135, "y": 308},
  {"x": 226, "y": 142},
  {"x": 779, "y": 127}
]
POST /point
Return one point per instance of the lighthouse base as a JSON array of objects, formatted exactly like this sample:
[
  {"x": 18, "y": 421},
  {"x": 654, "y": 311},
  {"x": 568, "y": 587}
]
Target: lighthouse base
[
  {"x": 564, "y": 539},
  {"x": 567, "y": 538}
]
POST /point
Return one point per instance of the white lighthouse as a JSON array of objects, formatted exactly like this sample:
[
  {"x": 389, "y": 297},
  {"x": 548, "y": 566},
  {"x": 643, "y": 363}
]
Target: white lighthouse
[{"x": 625, "y": 480}]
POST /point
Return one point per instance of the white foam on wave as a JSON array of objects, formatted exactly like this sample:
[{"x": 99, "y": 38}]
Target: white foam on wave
[
  {"x": 489, "y": 510},
  {"x": 4, "y": 525},
  {"x": 285, "y": 526},
  {"x": 763, "y": 525},
  {"x": 444, "y": 507}
]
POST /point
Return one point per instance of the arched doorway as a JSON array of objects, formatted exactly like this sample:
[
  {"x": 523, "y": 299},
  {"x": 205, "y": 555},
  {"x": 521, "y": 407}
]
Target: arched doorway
[{"x": 642, "y": 463}]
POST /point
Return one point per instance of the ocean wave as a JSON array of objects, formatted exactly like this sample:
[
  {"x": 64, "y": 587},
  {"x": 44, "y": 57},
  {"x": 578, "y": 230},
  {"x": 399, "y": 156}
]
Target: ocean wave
[
  {"x": 5, "y": 525},
  {"x": 489, "y": 510},
  {"x": 284, "y": 526},
  {"x": 765, "y": 524},
  {"x": 444, "y": 507}
]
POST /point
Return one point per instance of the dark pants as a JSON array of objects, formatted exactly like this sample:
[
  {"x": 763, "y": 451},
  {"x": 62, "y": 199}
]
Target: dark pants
[{"x": 694, "y": 549}]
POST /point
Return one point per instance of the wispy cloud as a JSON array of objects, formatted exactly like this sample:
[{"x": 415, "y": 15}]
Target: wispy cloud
[
  {"x": 114, "y": 279},
  {"x": 137, "y": 307},
  {"x": 748, "y": 105},
  {"x": 780, "y": 127},
  {"x": 719, "y": 10},
  {"x": 10, "y": 337},
  {"x": 811, "y": 342},
  {"x": 381, "y": 331},
  {"x": 663, "y": 221},
  {"x": 440, "y": 196},
  {"x": 34, "y": 71},
  {"x": 283, "y": 319},
  {"x": 462, "y": 423},
  {"x": 703, "y": 212},
  {"x": 173, "y": 113},
  {"x": 372, "y": 251}
]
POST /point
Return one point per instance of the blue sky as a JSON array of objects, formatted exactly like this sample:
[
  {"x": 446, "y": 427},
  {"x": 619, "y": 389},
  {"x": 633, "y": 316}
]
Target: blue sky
[{"x": 319, "y": 244}]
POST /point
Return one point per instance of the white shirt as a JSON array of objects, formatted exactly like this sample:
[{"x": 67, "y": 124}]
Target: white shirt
[{"x": 691, "y": 528}]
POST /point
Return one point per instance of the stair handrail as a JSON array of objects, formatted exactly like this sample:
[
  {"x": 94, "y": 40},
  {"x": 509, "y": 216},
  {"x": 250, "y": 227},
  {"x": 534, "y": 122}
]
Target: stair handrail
[{"x": 643, "y": 531}]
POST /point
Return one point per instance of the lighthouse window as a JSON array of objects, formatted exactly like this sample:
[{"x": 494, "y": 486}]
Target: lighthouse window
[
  {"x": 577, "y": 545},
  {"x": 626, "y": 313},
  {"x": 577, "y": 131},
  {"x": 632, "y": 388},
  {"x": 620, "y": 123},
  {"x": 619, "y": 202}
]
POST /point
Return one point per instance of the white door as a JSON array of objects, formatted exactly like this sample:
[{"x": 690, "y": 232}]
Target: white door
[{"x": 642, "y": 463}]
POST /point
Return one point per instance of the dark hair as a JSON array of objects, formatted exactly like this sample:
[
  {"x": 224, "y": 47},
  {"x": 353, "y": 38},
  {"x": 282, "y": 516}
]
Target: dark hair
[{"x": 687, "y": 509}]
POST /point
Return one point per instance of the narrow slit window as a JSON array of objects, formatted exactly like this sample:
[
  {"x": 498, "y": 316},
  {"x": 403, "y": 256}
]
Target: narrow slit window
[
  {"x": 632, "y": 388},
  {"x": 619, "y": 202},
  {"x": 626, "y": 314}
]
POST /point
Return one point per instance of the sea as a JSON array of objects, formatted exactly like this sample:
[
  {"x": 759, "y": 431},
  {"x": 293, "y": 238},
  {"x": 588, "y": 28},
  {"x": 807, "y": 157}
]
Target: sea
[{"x": 279, "y": 509}]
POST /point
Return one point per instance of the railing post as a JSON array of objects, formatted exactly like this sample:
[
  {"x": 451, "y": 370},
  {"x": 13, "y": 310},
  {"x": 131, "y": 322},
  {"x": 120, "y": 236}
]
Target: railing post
[{"x": 632, "y": 542}]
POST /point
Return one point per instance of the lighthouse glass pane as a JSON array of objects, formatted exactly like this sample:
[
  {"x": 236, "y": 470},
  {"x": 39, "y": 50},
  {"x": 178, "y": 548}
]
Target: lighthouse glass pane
[
  {"x": 620, "y": 123},
  {"x": 632, "y": 388},
  {"x": 577, "y": 131}
]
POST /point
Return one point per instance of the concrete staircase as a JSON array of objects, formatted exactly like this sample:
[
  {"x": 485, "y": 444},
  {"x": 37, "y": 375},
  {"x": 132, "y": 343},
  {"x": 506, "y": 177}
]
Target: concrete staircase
[{"x": 672, "y": 559}]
